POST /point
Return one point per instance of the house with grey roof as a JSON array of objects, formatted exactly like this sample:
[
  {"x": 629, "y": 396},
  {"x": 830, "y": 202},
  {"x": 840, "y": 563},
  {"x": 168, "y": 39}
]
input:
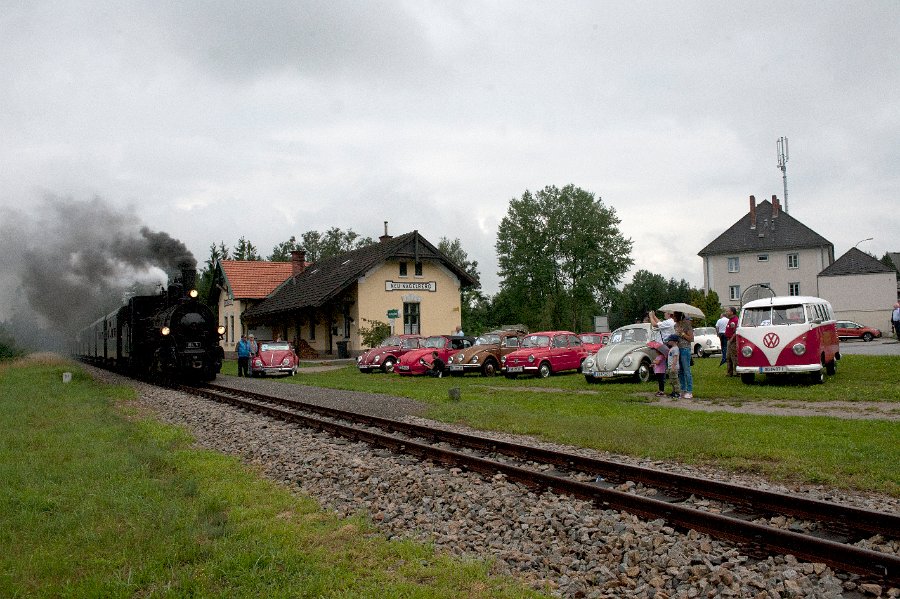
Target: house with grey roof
[
  {"x": 765, "y": 247},
  {"x": 404, "y": 281},
  {"x": 860, "y": 288}
]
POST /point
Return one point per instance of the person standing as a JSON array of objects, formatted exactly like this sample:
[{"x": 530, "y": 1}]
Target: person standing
[
  {"x": 720, "y": 331},
  {"x": 685, "y": 332},
  {"x": 895, "y": 320},
  {"x": 666, "y": 326},
  {"x": 673, "y": 365},
  {"x": 730, "y": 330},
  {"x": 254, "y": 348},
  {"x": 243, "y": 355}
]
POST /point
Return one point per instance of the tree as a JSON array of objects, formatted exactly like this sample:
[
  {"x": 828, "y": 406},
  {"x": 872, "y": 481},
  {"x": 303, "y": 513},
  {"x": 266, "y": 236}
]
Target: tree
[
  {"x": 375, "y": 332},
  {"x": 333, "y": 242},
  {"x": 282, "y": 251},
  {"x": 886, "y": 260},
  {"x": 561, "y": 255},
  {"x": 206, "y": 274},
  {"x": 469, "y": 295},
  {"x": 244, "y": 250}
]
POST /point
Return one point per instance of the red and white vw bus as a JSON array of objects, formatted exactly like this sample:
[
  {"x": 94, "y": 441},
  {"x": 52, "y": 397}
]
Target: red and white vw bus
[{"x": 788, "y": 334}]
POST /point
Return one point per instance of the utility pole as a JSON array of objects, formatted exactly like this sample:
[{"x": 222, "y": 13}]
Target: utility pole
[{"x": 782, "y": 145}]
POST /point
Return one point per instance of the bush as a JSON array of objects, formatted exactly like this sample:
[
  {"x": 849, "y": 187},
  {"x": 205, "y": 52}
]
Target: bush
[{"x": 375, "y": 332}]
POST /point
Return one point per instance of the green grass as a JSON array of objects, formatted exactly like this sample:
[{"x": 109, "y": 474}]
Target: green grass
[
  {"x": 96, "y": 501},
  {"x": 622, "y": 417}
]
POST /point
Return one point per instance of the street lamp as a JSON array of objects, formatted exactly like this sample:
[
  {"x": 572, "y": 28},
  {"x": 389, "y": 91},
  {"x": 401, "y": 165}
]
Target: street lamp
[{"x": 866, "y": 239}]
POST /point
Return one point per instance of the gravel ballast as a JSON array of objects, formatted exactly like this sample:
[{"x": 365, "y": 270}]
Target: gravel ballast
[{"x": 555, "y": 543}]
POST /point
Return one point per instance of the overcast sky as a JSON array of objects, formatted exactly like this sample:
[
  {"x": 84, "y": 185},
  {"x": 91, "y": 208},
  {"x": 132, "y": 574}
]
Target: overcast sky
[{"x": 215, "y": 120}]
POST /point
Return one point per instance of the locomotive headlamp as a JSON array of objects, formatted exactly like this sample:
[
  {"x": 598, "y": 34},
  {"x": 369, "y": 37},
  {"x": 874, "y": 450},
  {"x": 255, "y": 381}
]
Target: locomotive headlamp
[
  {"x": 193, "y": 293},
  {"x": 221, "y": 329},
  {"x": 165, "y": 331}
]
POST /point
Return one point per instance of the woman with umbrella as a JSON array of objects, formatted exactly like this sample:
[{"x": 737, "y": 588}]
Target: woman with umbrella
[{"x": 685, "y": 332}]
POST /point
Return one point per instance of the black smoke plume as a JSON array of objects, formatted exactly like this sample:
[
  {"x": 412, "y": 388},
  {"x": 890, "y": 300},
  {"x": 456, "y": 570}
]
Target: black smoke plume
[{"x": 70, "y": 262}]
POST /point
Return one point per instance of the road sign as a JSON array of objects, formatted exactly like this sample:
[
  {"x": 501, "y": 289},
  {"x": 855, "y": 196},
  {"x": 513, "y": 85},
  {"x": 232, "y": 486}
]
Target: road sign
[{"x": 393, "y": 313}]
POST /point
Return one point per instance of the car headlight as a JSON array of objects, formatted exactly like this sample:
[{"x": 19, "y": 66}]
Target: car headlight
[
  {"x": 589, "y": 362},
  {"x": 258, "y": 363},
  {"x": 474, "y": 360},
  {"x": 503, "y": 360},
  {"x": 626, "y": 362},
  {"x": 286, "y": 362},
  {"x": 377, "y": 358},
  {"x": 746, "y": 351},
  {"x": 530, "y": 358},
  {"x": 799, "y": 349},
  {"x": 359, "y": 359}
]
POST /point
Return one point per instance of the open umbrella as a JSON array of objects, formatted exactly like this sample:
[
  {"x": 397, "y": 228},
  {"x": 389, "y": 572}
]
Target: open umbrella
[{"x": 686, "y": 309}]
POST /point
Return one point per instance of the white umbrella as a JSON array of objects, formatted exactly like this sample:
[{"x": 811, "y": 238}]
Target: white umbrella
[{"x": 686, "y": 309}]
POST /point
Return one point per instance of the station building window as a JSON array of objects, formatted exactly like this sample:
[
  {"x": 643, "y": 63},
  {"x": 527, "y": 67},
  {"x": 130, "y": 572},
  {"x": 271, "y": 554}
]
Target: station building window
[{"x": 411, "y": 318}]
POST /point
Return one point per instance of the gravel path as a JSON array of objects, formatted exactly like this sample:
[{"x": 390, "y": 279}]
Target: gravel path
[{"x": 552, "y": 542}]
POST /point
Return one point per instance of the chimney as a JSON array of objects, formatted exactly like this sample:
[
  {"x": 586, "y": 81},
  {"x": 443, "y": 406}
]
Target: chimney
[
  {"x": 776, "y": 206},
  {"x": 752, "y": 212},
  {"x": 298, "y": 262},
  {"x": 385, "y": 237}
]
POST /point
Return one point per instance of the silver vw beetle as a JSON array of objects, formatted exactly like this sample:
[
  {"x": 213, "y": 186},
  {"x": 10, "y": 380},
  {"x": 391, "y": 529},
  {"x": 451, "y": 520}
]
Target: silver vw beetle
[{"x": 626, "y": 354}]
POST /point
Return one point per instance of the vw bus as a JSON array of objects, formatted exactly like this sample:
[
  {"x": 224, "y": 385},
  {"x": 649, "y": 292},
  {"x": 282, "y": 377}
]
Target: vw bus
[{"x": 788, "y": 334}]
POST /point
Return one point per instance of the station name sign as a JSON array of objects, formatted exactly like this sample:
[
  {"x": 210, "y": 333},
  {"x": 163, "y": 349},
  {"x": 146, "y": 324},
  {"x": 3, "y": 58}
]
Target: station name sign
[{"x": 410, "y": 286}]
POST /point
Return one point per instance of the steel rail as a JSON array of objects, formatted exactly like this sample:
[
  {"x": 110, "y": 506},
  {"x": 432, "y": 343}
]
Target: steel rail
[
  {"x": 872, "y": 565},
  {"x": 848, "y": 520}
]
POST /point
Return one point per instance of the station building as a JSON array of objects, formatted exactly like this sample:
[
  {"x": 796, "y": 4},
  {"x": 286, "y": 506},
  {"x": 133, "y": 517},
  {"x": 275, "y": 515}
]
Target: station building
[{"x": 404, "y": 281}]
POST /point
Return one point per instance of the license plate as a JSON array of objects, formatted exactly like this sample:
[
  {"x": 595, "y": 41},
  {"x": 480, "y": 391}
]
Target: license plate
[
  {"x": 515, "y": 369},
  {"x": 404, "y": 367},
  {"x": 773, "y": 369},
  {"x": 602, "y": 374},
  {"x": 456, "y": 367}
]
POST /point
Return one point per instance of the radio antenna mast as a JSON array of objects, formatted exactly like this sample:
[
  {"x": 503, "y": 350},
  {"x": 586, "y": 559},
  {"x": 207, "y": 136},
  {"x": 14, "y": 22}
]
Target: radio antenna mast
[{"x": 782, "y": 145}]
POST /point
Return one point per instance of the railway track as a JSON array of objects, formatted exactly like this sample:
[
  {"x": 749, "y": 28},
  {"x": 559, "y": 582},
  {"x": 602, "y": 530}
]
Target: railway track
[{"x": 820, "y": 531}]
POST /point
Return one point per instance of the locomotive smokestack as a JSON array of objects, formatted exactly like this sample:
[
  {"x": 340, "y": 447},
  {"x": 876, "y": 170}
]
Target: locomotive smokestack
[{"x": 188, "y": 278}]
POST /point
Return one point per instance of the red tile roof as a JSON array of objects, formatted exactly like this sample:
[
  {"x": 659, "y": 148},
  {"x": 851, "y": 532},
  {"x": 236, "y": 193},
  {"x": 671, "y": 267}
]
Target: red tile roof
[{"x": 254, "y": 279}]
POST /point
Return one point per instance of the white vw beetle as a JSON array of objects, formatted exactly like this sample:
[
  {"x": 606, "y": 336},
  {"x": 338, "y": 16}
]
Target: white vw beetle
[{"x": 626, "y": 354}]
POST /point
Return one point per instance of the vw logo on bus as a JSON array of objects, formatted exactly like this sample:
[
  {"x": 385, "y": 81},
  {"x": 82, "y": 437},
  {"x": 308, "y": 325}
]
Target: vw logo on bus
[{"x": 771, "y": 340}]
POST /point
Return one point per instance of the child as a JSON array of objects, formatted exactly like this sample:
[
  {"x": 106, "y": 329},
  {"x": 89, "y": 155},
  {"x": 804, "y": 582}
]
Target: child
[
  {"x": 672, "y": 365},
  {"x": 659, "y": 366}
]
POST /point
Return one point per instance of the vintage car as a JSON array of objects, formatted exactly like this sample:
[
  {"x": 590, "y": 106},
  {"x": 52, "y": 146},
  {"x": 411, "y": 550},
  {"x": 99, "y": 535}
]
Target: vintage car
[
  {"x": 385, "y": 356},
  {"x": 706, "y": 342},
  {"x": 626, "y": 354},
  {"x": 485, "y": 354},
  {"x": 274, "y": 357},
  {"x": 847, "y": 329},
  {"x": 432, "y": 355},
  {"x": 593, "y": 341},
  {"x": 545, "y": 353}
]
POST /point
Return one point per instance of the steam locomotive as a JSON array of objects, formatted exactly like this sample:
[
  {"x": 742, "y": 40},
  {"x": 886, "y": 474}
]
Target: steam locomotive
[{"x": 170, "y": 336}]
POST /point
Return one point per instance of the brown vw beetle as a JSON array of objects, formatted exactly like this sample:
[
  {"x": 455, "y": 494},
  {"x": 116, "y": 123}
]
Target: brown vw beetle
[{"x": 484, "y": 356}]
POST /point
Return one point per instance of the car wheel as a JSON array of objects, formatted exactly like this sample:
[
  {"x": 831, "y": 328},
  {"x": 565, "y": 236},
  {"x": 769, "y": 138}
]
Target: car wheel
[
  {"x": 489, "y": 368},
  {"x": 747, "y": 378},
  {"x": 817, "y": 377},
  {"x": 294, "y": 371},
  {"x": 452, "y": 373},
  {"x": 831, "y": 367},
  {"x": 591, "y": 379},
  {"x": 867, "y": 336},
  {"x": 388, "y": 365},
  {"x": 642, "y": 374},
  {"x": 544, "y": 370},
  {"x": 698, "y": 350}
]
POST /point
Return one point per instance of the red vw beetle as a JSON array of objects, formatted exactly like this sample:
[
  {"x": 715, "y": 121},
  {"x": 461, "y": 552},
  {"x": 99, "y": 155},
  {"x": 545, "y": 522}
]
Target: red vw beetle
[
  {"x": 545, "y": 353},
  {"x": 274, "y": 357},
  {"x": 432, "y": 355},
  {"x": 385, "y": 356}
]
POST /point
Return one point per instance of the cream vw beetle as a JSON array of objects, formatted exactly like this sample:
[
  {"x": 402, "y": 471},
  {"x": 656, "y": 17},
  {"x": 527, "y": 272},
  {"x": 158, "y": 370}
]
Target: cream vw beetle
[{"x": 626, "y": 354}]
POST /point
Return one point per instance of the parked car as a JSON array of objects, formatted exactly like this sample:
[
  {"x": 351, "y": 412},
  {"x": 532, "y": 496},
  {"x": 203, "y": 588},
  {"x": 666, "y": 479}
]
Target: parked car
[
  {"x": 706, "y": 342},
  {"x": 486, "y": 353},
  {"x": 626, "y": 354},
  {"x": 274, "y": 357},
  {"x": 545, "y": 353},
  {"x": 385, "y": 356},
  {"x": 593, "y": 341},
  {"x": 847, "y": 329},
  {"x": 432, "y": 354}
]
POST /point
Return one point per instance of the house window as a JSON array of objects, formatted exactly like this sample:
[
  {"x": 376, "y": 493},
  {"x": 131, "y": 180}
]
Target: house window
[
  {"x": 418, "y": 269},
  {"x": 793, "y": 288},
  {"x": 762, "y": 258},
  {"x": 232, "y": 327},
  {"x": 225, "y": 324},
  {"x": 312, "y": 328},
  {"x": 734, "y": 292},
  {"x": 403, "y": 269},
  {"x": 793, "y": 260},
  {"x": 411, "y": 318},
  {"x": 734, "y": 264}
]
